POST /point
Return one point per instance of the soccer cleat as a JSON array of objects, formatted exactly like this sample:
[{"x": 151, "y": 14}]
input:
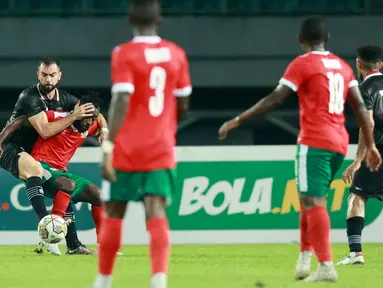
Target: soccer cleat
[
  {"x": 81, "y": 250},
  {"x": 324, "y": 273},
  {"x": 302, "y": 270},
  {"x": 51, "y": 248},
  {"x": 159, "y": 280},
  {"x": 353, "y": 259}
]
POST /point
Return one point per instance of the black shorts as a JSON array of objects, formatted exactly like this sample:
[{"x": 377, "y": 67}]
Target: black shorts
[
  {"x": 10, "y": 158},
  {"x": 367, "y": 184}
]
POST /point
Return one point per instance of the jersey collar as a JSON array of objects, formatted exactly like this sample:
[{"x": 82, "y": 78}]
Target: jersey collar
[
  {"x": 147, "y": 39},
  {"x": 57, "y": 96},
  {"x": 371, "y": 74},
  {"x": 320, "y": 52}
]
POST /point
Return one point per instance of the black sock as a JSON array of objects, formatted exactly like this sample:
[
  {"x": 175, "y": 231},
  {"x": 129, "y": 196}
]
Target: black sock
[
  {"x": 72, "y": 241},
  {"x": 355, "y": 227},
  {"x": 35, "y": 194}
]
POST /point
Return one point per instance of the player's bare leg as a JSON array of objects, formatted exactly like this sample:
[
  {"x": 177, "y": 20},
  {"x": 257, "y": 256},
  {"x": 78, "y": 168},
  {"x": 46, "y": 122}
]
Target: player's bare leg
[
  {"x": 158, "y": 228},
  {"x": 110, "y": 242},
  {"x": 355, "y": 225},
  {"x": 318, "y": 233}
]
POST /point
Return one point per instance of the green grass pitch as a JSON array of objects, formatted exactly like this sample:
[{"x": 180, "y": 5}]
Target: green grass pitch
[{"x": 192, "y": 266}]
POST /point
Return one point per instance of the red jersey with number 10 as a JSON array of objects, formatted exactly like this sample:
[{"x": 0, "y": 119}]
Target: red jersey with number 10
[
  {"x": 153, "y": 71},
  {"x": 321, "y": 80}
]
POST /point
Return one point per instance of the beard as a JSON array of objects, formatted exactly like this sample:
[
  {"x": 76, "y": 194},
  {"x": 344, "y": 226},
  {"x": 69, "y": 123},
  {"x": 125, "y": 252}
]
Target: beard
[{"x": 45, "y": 89}]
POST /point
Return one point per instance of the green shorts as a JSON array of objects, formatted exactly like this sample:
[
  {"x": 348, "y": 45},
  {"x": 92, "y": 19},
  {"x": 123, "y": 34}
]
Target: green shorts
[
  {"x": 134, "y": 186},
  {"x": 51, "y": 174},
  {"x": 315, "y": 169}
]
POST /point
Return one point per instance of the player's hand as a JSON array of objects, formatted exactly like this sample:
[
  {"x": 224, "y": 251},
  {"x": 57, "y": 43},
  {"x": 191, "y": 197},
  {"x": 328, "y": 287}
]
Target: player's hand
[
  {"x": 107, "y": 170},
  {"x": 82, "y": 111},
  {"x": 227, "y": 127},
  {"x": 348, "y": 174},
  {"x": 373, "y": 159}
]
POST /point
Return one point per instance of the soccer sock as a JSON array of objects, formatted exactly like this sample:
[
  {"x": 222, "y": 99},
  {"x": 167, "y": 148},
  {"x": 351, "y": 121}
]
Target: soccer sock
[
  {"x": 60, "y": 203},
  {"x": 158, "y": 229},
  {"x": 97, "y": 215},
  {"x": 35, "y": 194},
  {"x": 71, "y": 239},
  {"x": 304, "y": 243},
  {"x": 355, "y": 227},
  {"x": 110, "y": 243},
  {"x": 319, "y": 232}
]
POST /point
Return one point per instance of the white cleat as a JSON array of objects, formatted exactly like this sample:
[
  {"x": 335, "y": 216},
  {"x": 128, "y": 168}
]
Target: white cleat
[
  {"x": 159, "y": 280},
  {"x": 51, "y": 248},
  {"x": 353, "y": 259},
  {"x": 324, "y": 273},
  {"x": 302, "y": 270}
]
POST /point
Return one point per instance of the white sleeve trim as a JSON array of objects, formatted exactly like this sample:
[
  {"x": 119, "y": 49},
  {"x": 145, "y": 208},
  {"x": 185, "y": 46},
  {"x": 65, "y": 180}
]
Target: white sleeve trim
[
  {"x": 183, "y": 92},
  {"x": 289, "y": 84},
  {"x": 123, "y": 87},
  {"x": 353, "y": 83}
]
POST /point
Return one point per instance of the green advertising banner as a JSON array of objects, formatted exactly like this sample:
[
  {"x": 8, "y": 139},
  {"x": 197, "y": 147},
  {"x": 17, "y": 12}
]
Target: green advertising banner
[{"x": 243, "y": 195}]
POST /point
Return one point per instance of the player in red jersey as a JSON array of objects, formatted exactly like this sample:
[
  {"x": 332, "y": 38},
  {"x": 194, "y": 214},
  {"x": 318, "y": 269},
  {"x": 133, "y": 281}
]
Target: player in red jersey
[
  {"x": 322, "y": 81},
  {"x": 153, "y": 72},
  {"x": 54, "y": 154}
]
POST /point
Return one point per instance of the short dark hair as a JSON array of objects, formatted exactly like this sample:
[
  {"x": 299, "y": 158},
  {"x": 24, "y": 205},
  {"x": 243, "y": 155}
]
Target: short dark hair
[
  {"x": 369, "y": 53},
  {"x": 313, "y": 30},
  {"x": 144, "y": 12},
  {"x": 91, "y": 97},
  {"x": 47, "y": 61}
]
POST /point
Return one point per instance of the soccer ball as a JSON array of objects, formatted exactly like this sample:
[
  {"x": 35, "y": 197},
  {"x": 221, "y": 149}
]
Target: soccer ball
[{"x": 52, "y": 229}]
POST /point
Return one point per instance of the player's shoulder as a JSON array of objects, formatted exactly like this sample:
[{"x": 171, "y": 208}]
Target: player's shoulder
[
  {"x": 372, "y": 84},
  {"x": 29, "y": 94}
]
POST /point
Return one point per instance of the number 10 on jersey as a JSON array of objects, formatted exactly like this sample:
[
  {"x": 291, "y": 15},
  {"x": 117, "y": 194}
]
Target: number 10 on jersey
[{"x": 336, "y": 88}]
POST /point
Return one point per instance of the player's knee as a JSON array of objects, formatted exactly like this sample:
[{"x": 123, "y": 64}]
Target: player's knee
[
  {"x": 29, "y": 167},
  {"x": 311, "y": 201},
  {"x": 65, "y": 184},
  {"x": 355, "y": 205}
]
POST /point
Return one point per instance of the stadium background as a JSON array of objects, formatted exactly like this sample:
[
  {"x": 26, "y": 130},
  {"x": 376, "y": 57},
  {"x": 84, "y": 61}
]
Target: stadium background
[{"x": 238, "y": 49}]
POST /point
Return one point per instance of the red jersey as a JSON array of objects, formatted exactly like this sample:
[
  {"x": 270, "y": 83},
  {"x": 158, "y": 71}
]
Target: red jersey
[
  {"x": 154, "y": 71},
  {"x": 321, "y": 80},
  {"x": 59, "y": 149}
]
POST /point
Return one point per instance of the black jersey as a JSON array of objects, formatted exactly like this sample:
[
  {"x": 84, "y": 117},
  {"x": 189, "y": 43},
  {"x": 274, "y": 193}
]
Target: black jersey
[
  {"x": 31, "y": 102},
  {"x": 372, "y": 93}
]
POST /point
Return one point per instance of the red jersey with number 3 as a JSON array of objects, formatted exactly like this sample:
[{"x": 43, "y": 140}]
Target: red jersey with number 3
[
  {"x": 60, "y": 148},
  {"x": 322, "y": 81},
  {"x": 154, "y": 72}
]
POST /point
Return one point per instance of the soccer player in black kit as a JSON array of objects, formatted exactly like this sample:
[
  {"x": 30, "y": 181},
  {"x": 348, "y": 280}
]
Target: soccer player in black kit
[
  {"x": 365, "y": 184},
  {"x": 15, "y": 148}
]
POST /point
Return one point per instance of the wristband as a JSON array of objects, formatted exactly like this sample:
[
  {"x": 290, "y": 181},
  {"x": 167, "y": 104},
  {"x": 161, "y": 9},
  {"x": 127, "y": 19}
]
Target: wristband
[
  {"x": 104, "y": 130},
  {"x": 107, "y": 146}
]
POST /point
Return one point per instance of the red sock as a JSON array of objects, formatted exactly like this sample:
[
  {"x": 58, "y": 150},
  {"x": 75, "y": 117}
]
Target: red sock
[
  {"x": 319, "y": 232},
  {"x": 97, "y": 215},
  {"x": 110, "y": 243},
  {"x": 305, "y": 243},
  {"x": 60, "y": 203},
  {"x": 158, "y": 229}
]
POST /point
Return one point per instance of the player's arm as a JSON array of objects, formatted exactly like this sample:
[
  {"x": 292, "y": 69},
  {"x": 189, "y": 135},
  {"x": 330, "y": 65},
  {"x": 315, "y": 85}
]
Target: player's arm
[
  {"x": 184, "y": 88},
  {"x": 12, "y": 127},
  {"x": 47, "y": 129},
  {"x": 373, "y": 158},
  {"x": 116, "y": 113},
  {"x": 295, "y": 74},
  {"x": 103, "y": 130},
  {"x": 267, "y": 104},
  {"x": 369, "y": 103}
]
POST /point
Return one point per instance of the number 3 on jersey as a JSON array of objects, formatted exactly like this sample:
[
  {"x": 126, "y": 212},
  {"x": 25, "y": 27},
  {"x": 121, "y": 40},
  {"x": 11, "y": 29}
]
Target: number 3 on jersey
[
  {"x": 336, "y": 88},
  {"x": 157, "y": 83}
]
